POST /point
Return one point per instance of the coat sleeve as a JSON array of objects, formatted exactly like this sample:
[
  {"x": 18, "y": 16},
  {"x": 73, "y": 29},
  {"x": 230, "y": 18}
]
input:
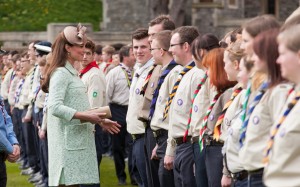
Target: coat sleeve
[{"x": 58, "y": 88}]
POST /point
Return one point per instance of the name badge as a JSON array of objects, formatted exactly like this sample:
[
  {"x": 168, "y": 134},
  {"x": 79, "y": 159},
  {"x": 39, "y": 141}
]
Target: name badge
[
  {"x": 282, "y": 132},
  {"x": 255, "y": 120},
  {"x": 195, "y": 108},
  {"x": 159, "y": 99},
  {"x": 179, "y": 102},
  {"x": 211, "y": 117}
]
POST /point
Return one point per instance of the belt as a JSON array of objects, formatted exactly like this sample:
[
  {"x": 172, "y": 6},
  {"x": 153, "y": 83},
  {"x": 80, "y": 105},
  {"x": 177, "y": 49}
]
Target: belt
[
  {"x": 137, "y": 136},
  {"x": 195, "y": 139},
  {"x": 257, "y": 172},
  {"x": 209, "y": 141},
  {"x": 180, "y": 140},
  {"x": 159, "y": 133},
  {"x": 240, "y": 175}
]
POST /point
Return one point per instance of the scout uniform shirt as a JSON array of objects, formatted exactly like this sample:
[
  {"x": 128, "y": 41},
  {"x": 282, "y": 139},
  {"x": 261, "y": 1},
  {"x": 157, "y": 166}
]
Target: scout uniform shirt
[
  {"x": 24, "y": 97},
  {"x": 164, "y": 91},
  {"x": 217, "y": 110},
  {"x": 95, "y": 82},
  {"x": 283, "y": 166},
  {"x": 117, "y": 86},
  {"x": 260, "y": 122},
  {"x": 231, "y": 125},
  {"x": 135, "y": 126},
  {"x": 20, "y": 86},
  {"x": 231, "y": 113},
  {"x": 34, "y": 88},
  {"x": 200, "y": 105},
  {"x": 179, "y": 109},
  {"x": 6, "y": 83},
  {"x": 12, "y": 91},
  {"x": 152, "y": 84}
]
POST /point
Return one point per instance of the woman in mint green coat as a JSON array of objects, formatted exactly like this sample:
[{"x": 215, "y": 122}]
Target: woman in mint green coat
[{"x": 72, "y": 152}]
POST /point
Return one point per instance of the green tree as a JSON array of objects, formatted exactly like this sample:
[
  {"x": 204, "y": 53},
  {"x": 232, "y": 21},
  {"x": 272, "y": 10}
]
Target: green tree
[{"x": 34, "y": 15}]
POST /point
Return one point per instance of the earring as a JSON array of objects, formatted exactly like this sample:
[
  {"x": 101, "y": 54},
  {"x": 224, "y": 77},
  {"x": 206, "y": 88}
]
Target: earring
[{"x": 68, "y": 53}]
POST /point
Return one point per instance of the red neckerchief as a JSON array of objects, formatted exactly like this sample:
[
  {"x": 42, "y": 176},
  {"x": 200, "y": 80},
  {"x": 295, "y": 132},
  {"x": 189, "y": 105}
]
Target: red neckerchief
[
  {"x": 88, "y": 67},
  {"x": 107, "y": 64}
]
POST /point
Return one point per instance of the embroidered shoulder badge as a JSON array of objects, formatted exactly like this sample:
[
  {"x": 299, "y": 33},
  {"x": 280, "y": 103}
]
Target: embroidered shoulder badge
[{"x": 95, "y": 94}]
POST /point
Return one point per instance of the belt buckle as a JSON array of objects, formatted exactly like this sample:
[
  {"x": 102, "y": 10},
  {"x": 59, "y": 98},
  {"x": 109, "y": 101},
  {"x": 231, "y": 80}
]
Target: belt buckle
[
  {"x": 207, "y": 141},
  {"x": 133, "y": 137},
  {"x": 154, "y": 134}
]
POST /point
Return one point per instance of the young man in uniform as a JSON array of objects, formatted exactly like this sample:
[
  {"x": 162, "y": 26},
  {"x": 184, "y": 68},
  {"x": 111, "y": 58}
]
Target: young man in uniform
[
  {"x": 117, "y": 91},
  {"x": 162, "y": 22},
  {"x": 178, "y": 106},
  {"x": 141, "y": 51},
  {"x": 95, "y": 82}
]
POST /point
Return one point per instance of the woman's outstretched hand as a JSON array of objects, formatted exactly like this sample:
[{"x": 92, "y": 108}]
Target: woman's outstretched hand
[
  {"x": 98, "y": 118},
  {"x": 111, "y": 126}
]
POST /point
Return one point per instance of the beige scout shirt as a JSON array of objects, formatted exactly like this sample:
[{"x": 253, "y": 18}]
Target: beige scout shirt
[
  {"x": 200, "y": 106},
  {"x": 152, "y": 84},
  {"x": 35, "y": 83},
  {"x": 135, "y": 126},
  {"x": 24, "y": 96},
  {"x": 6, "y": 83},
  {"x": 283, "y": 166},
  {"x": 179, "y": 109},
  {"x": 18, "y": 104},
  {"x": 231, "y": 125},
  {"x": 260, "y": 122},
  {"x": 117, "y": 88},
  {"x": 217, "y": 110},
  {"x": 40, "y": 99},
  {"x": 12, "y": 91},
  {"x": 95, "y": 82},
  {"x": 164, "y": 91}
]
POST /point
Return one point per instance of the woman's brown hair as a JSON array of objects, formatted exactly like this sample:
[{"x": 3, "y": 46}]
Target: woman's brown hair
[
  {"x": 266, "y": 48},
  {"x": 58, "y": 59},
  {"x": 213, "y": 60}
]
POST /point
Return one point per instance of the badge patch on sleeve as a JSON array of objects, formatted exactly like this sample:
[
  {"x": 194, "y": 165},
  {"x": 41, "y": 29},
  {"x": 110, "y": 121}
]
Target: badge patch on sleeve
[{"x": 95, "y": 94}]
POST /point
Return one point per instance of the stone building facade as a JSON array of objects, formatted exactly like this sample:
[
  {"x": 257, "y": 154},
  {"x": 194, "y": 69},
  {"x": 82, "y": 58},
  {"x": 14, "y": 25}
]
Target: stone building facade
[{"x": 121, "y": 17}]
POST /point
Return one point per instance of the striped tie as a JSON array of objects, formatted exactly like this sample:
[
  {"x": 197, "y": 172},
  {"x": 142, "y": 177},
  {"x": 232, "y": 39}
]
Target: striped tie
[
  {"x": 247, "y": 96},
  {"x": 32, "y": 76},
  {"x": 252, "y": 106},
  {"x": 171, "y": 65},
  {"x": 128, "y": 73},
  {"x": 144, "y": 87},
  {"x": 191, "y": 109},
  {"x": 173, "y": 92},
  {"x": 274, "y": 131},
  {"x": 18, "y": 91},
  {"x": 205, "y": 119},
  {"x": 217, "y": 129}
]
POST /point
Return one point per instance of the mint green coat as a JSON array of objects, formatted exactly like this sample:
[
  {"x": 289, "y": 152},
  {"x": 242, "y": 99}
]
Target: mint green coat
[{"x": 72, "y": 151}]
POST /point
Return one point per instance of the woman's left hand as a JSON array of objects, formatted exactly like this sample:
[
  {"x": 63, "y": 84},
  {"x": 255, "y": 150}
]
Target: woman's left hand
[{"x": 111, "y": 126}]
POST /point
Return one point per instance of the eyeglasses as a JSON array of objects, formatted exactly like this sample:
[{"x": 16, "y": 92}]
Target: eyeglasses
[
  {"x": 151, "y": 49},
  {"x": 171, "y": 45}
]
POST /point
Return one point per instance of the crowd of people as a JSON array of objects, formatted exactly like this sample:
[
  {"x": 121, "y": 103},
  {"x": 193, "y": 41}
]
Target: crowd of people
[{"x": 185, "y": 108}]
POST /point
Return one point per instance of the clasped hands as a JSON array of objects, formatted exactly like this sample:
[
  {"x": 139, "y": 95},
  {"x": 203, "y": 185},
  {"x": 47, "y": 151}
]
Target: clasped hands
[{"x": 15, "y": 155}]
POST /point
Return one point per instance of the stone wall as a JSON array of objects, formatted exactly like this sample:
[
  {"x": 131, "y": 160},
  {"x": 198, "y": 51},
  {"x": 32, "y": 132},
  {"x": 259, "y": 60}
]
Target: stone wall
[
  {"x": 125, "y": 15},
  {"x": 20, "y": 40}
]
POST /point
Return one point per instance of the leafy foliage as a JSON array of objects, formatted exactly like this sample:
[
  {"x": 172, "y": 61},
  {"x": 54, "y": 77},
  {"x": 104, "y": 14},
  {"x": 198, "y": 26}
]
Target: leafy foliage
[{"x": 34, "y": 15}]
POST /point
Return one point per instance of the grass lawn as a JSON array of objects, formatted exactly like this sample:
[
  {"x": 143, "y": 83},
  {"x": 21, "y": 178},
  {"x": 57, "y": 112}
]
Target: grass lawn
[{"x": 108, "y": 177}]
